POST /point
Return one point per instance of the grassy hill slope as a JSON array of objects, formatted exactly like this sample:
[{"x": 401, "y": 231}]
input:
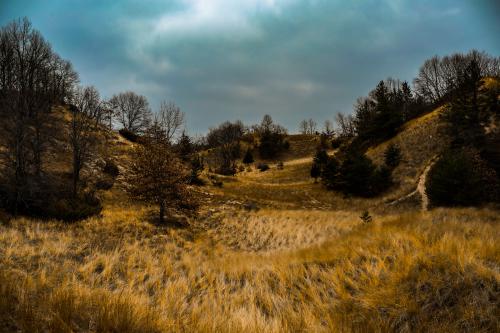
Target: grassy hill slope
[{"x": 269, "y": 252}]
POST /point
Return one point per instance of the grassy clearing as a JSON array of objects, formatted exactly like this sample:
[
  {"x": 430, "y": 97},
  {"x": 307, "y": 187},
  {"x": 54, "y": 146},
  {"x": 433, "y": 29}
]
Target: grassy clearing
[
  {"x": 304, "y": 262},
  {"x": 267, "y": 271}
]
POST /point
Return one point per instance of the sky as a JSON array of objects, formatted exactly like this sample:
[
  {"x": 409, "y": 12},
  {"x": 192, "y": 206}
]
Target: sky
[{"x": 240, "y": 59}]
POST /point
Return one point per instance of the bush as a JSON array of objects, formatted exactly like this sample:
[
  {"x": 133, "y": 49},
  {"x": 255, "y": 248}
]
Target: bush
[
  {"x": 315, "y": 171},
  {"x": 461, "y": 178},
  {"x": 321, "y": 157},
  {"x": 248, "y": 158},
  {"x": 392, "y": 156},
  {"x": 111, "y": 169},
  {"x": 263, "y": 167},
  {"x": 356, "y": 175},
  {"x": 129, "y": 135},
  {"x": 70, "y": 210},
  {"x": 229, "y": 170},
  {"x": 336, "y": 143},
  {"x": 197, "y": 167},
  {"x": 329, "y": 173},
  {"x": 104, "y": 184}
]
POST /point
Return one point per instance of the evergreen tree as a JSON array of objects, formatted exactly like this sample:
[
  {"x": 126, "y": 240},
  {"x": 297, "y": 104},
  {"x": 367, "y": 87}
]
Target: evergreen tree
[
  {"x": 329, "y": 174},
  {"x": 248, "y": 158},
  {"x": 185, "y": 147},
  {"x": 392, "y": 156},
  {"x": 315, "y": 171}
]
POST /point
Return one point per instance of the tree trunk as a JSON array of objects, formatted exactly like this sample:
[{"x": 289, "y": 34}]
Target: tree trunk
[{"x": 162, "y": 212}]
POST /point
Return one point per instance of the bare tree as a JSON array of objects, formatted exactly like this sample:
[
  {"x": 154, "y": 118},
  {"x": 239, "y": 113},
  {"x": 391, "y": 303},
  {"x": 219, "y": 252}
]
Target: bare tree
[
  {"x": 312, "y": 126},
  {"x": 430, "y": 81},
  {"x": 346, "y": 125},
  {"x": 328, "y": 128},
  {"x": 157, "y": 176},
  {"x": 308, "y": 126},
  {"x": 32, "y": 80},
  {"x": 132, "y": 111},
  {"x": 85, "y": 111},
  {"x": 171, "y": 119},
  {"x": 303, "y": 127}
]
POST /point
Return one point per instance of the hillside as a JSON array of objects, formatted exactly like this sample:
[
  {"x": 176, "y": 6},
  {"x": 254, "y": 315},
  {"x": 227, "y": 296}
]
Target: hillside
[{"x": 269, "y": 252}]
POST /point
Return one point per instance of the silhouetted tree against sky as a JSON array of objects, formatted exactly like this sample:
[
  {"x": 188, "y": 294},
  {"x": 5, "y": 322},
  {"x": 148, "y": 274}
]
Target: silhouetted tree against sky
[{"x": 132, "y": 111}]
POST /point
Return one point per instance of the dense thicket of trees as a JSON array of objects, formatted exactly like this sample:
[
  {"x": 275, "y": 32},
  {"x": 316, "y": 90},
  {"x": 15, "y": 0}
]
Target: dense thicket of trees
[
  {"x": 468, "y": 173},
  {"x": 224, "y": 141},
  {"x": 439, "y": 77},
  {"x": 271, "y": 138},
  {"x": 32, "y": 80}
]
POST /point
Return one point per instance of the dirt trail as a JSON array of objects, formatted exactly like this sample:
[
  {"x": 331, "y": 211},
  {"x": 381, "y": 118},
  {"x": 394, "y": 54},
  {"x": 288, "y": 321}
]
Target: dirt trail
[
  {"x": 421, "y": 185},
  {"x": 420, "y": 190}
]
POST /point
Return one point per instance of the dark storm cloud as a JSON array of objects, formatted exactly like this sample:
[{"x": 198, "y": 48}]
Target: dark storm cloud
[{"x": 224, "y": 59}]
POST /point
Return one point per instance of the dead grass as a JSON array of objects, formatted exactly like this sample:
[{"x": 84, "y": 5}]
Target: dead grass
[
  {"x": 304, "y": 262},
  {"x": 266, "y": 271},
  {"x": 420, "y": 141}
]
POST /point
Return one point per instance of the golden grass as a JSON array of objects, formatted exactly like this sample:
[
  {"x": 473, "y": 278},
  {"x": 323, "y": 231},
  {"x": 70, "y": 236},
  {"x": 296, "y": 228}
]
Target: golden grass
[
  {"x": 304, "y": 262},
  {"x": 420, "y": 140},
  {"x": 266, "y": 271}
]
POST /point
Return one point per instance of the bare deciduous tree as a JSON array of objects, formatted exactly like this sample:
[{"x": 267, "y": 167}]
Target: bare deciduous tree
[
  {"x": 85, "y": 113},
  {"x": 345, "y": 124},
  {"x": 328, "y": 128},
  {"x": 171, "y": 119},
  {"x": 32, "y": 80},
  {"x": 303, "y": 126},
  {"x": 308, "y": 126},
  {"x": 132, "y": 111}
]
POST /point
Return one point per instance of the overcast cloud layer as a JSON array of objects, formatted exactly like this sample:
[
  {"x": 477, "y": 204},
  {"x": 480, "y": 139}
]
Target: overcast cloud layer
[{"x": 226, "y": 59}]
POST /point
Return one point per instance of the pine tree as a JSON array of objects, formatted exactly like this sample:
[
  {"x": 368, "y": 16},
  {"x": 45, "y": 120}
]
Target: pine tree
[
  {"x": 315, "y": 171},
  {"x": 248, "y": 158}
]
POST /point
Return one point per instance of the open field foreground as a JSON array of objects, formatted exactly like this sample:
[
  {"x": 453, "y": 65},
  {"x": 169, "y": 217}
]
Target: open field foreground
[{"x": 284, "y": 268}]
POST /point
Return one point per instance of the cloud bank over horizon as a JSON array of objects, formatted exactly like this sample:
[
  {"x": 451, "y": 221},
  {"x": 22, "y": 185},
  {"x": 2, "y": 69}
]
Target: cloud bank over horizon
[{"x": 226, "y": 60}]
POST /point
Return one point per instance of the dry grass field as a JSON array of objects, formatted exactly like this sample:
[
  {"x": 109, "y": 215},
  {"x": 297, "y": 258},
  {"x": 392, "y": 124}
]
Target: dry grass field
[{"x": 303, "y": 262}]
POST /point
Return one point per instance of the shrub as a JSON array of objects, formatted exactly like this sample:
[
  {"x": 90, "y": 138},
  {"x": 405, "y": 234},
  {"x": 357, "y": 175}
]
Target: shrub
[
  {"x": 321, "y": 157},
  {"x": 392, "y": 156},
  {"x": 336, "y": 143},
  {"x": 315, "y": 171},
  {"x": 330, "y": 172},
  {"x": 248, "y": 158},
  {"x": 461, "y": 178},
  {"x": 70, "y": 210},
  {"x": 197, "y": 167},
  {"x": 104, "y": 184},
  {"x": 263, "y": 167},
  {"x": 366, "y": 217},
  {"x": 129, "y": 135},
  {"x": 111, "y": 169},
  {"x": 356, "y": 175},
  {"x": 226, "y": 170}
]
